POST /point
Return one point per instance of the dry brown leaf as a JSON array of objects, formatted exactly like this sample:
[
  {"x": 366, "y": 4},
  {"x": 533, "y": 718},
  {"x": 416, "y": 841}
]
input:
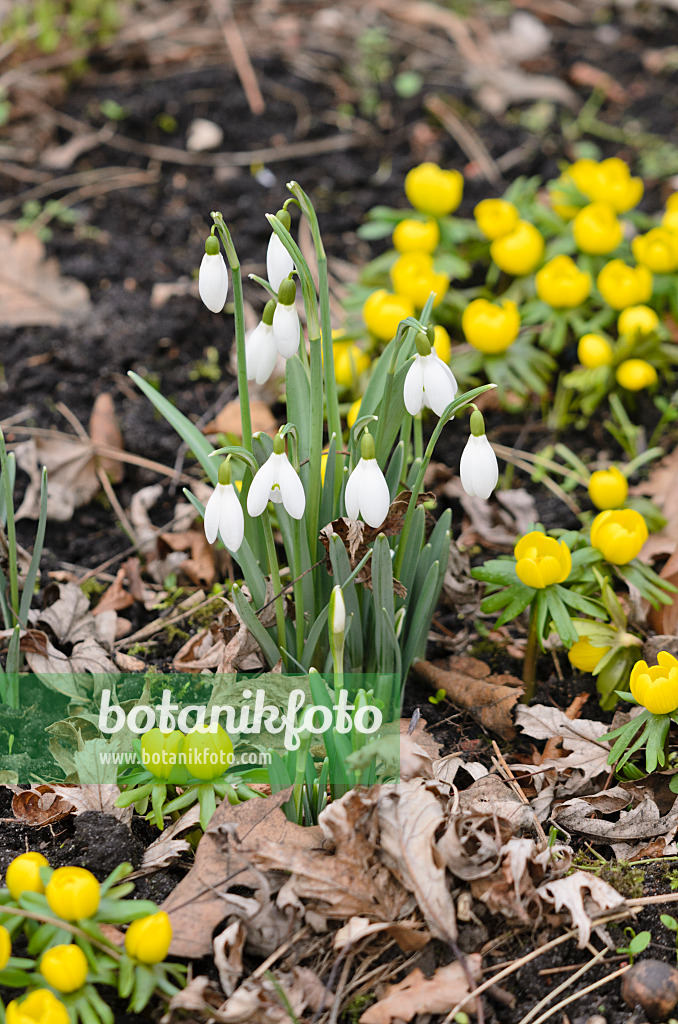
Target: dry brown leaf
[
  {"x": 95, "y": 797},
  {"x": 74, "y": 638},
  {"x": 661, "y": 486},
  {"x": 104, "y": 429},
  {"x": 588, "y": 754},
  {"x": 40, "y": 806},
  {"x": 569, "y": 893},
  {"x": 492, "y": 703},
  {"x": 227, "y": 645},
  {"x": 32, "y": 291},
  {"x": 664, "y": 619},
  {"x": 167, "y": 849},
  {"x": 71, "y": 470},
  {"x": 416, "y": 994},
  {"x": 409, "y": 935},
  {"x": 199, "y": 566},
  {"x": 228, "y": 949},
  {"x": 227, "y": 421},
  {"x": 258, "y": 1000}
]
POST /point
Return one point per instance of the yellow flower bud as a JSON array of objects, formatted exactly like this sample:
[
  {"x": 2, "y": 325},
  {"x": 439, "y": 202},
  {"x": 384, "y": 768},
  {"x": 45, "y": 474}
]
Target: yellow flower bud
[
  {"x": 542, "y": 560},
  {"x": 412, "y": 235},
  {"x": 442, "y": 343},
  {"x": 653, "y": 686},
  {"x": 670, "y": 218},
  {"x": 414, "y": 277},
  {"x": 636, "y": 374},
  {"x": 209, "y": 754},
  {"x": 159, "y": 751},
  {"x": 5, "y": 946},
  {"x": 657, "y": 250},
  {"x": 73, "y": 893},
  {"x": 520, "y": 251},
  {"x": 621, "y": 285},
  {"x": 593, "y": 351},
  {"x": 64, "y": 968},
  {"x": 23, "y": 874},
  {"x": 583, "y": 173},
  {"x": 40, "y": 1007},
  {"x": 584, "y": 656},
  {"x": 596, "y": 229},
  {"x": 352, "y": 414},
  {"x": 490, "y": 327},
  {"x": 637, "y": 320},
  {"x": 608, "y": 488},
  {"x": 561, "y": 283},
  {"x": 618, "y": 535},
  {"x": 432, "y": 190},
  {"x": 496, "y": 217},
  {"x": 383, "y": 311},
  {"x": 611, "y": 182},
  {"x": 149, "y": 938}
]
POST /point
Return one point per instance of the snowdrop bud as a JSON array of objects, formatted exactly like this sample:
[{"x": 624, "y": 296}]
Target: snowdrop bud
[
  {"x": 261, "y": 351},
  {"x": 367, "y": 492},
  {"x": 213, "y": 277},
  {"x": 478, "y": 466},
  {"x": 286, "y": 327},
  {"x": 279, "y": 263},
  {"x": 337, "y": 611},
  {"x": 223, "y": 512}
]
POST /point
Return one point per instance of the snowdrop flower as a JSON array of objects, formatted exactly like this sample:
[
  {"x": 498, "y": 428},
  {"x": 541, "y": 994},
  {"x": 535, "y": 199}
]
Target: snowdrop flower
[
  {"x": 429, "y": 382},
  {"x": 478, "y": 467},
  {"x": 286, "y": 320},
  {"x": 277, "y": 481},
  {"x": 279, "y": 263},
  {"x": 367, "y": 492},
  {"x": 261, "y": 352},
  {"x": 213, "y": 277},
  {"x": 223, "y": 512}
]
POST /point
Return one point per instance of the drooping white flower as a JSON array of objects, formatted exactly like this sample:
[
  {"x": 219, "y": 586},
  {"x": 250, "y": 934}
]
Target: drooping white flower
[
  {"x": 261, "y": 351},
  {"x": 478, "y": 467},
  {"x": 286, "y": 327},
  {"x": 366, "y": 491},
  {"x": 430, "y": 382},
  {"x": 213, "y": 277},
  {"x": 277, "y": 481},
  {"x": 223, "y": 512}
]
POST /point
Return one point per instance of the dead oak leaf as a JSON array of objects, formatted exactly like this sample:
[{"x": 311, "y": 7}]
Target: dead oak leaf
[
  {"x": 570, "y": 892},
  {"x": 74, "y": 638},
  {"x": 416, "y": 994},
  {"x": 32, "y": 291}
]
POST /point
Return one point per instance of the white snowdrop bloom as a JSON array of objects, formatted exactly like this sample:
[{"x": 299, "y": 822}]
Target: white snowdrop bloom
[
  {"x": 478, "y": 467},
  {"x": 286, "y": 325},
  {"x": 429, "y": 382},
  {"x": 223, "y": 512},
  {"x": 366, "y": 491},
  {"x": 277, "y": 481},
  {"x": 213, "y": 277},
  {"x": 279, "y": 263},
  {"x": 261, "y": 351}
]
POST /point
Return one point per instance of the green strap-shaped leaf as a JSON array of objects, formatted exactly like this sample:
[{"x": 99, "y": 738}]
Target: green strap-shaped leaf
[{"x": 258, "y": 631}]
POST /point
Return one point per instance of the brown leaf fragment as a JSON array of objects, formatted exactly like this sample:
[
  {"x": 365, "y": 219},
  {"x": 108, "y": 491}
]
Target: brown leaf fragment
[
  {"x": 491, "y": 703},
  {"x": 258, "y": 1000},
  {"x": 95, "y": 797},
  {"x": 227, "y": 421},
  {"x": 199, "y": 565},
  {"x": 664, "y": 619},
  {"x": 228, "y": 950},
  {"x": 71, "y": 470},
  {"x": 40, "y": 806},
  {"x": 570, "y": 892},
  {"x": 74, "y": 637},
  {"x": 409, "y": 935},
  {"x": 104, "y": 429},
  {"x": 32, "y": 291},
  {"x": 416, "y": 994},
  {"x": 591, "y": 77}
]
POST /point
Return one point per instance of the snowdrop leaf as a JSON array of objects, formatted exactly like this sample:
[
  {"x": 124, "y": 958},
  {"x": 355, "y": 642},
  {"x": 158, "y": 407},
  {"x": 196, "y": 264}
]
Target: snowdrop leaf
[
  {"x": 298, "y": 393},
  {"x": 258, "y": 631},
  {"x": 413, "y": 549},
  {"x": 417, "y": 629},
  {"x": 394, "y": 470}
]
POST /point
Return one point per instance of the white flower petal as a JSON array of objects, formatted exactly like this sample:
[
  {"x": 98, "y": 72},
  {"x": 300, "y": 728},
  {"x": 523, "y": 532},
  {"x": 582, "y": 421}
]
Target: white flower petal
[
  {"x": 413, "y": 390},
  {"x": 213, "y": 282},
  {"x": 260, "y": 488},
  {"x": 375, "y": 498},
  {"x": 286, "y": 330},
  {"x": 440, "y": 387},
  {"x": 291, "y": 489},
  {"x": 353, "y": 489},
  {"x": 231, "y": 519},
  {"x": 478, "y": 467},
  {"x": 279, "y": 263},
  {"x": 261, "y": 353},
  {"x": 212, "y": 510}
]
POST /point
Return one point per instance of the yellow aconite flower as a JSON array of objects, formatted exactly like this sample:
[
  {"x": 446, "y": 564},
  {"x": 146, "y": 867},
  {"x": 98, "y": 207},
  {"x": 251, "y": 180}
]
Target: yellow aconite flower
[
  {"x": 657, "y": 250},
  {"x": 622, "y": 285},
  {"x": 73, "y": 893},
  {"x": 596, "y": 229},
  {"x": 584, "y": 173},
  {"x": 490, "y": 327},
  {"x": 154, "y": 744},
  {"x": 496, "y": 217},
  {"x": 520, "y": 251},
  {"x": 654, "y": 686},
  {"x": 542, "y": 560},
  {"x": 442, "y": 343},
  {"x": 349, "y": 362},
  {"x": 670, "y": 218},
  {"x": 593, "y": 350},
  {"x": 611, "y": 182},
  {"x": 64, "y": 968},
  {"x": 414, "y": 277},
  {"x": 561, "y": 283},
  {"x": 608, "y": 488},
  {"x": 636, "y": 374},
  {"x": 619, "y": 535},
  {"x": 149, "y": 938},
  {"x": 209, "y": 754},
  {"x": 352, "y": 414},
  {"x": 584, "y": 656},
  {"x": 5, "y": 947},
  {"x": 40, "y": 1007},
  {"x": 637, "y": 320},
  {"x": 412, "y": 235},
  {"x": 432, "y": 190},
  {"x": 23, "y": 874},
  {"x": 383, "y": 311}
]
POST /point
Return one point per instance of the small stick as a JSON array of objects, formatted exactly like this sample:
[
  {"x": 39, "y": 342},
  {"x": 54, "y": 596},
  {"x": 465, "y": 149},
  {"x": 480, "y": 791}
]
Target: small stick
[
  {"x": 467, "y": 139},
  {"x": 238, "y": 51},
  {"x": 563, "y": 985},
  {"x": 518, "y": 791},
  {"x": 582, "y": 992}
]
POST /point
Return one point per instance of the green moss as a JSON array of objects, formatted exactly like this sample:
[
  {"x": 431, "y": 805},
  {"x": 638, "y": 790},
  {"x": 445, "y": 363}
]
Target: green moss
[
  {"x": 357, "y": 1007},
  {"x": 172, "y": 633},
  {"x": 93, "y": 587},
  {"x": 204, "y": 617},
  {"x": 139, "y": 650}
]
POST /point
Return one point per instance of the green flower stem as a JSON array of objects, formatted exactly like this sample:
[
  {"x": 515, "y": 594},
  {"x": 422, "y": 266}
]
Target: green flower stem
[
  {"x": 300, "y": 773},
  {"x": 274, "y": 570},
  {"x": 12, "y": 568},
  {"x": 67, "y": 926},
  {"x": 239, "y": 316},
  {"x": 298, "y": 589},
  {"x": 405, "y": 332},
  {"x": 418, "y": 436},
  {"x": 531, "y": 655},
  {"x": 452, "y": 409}
]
